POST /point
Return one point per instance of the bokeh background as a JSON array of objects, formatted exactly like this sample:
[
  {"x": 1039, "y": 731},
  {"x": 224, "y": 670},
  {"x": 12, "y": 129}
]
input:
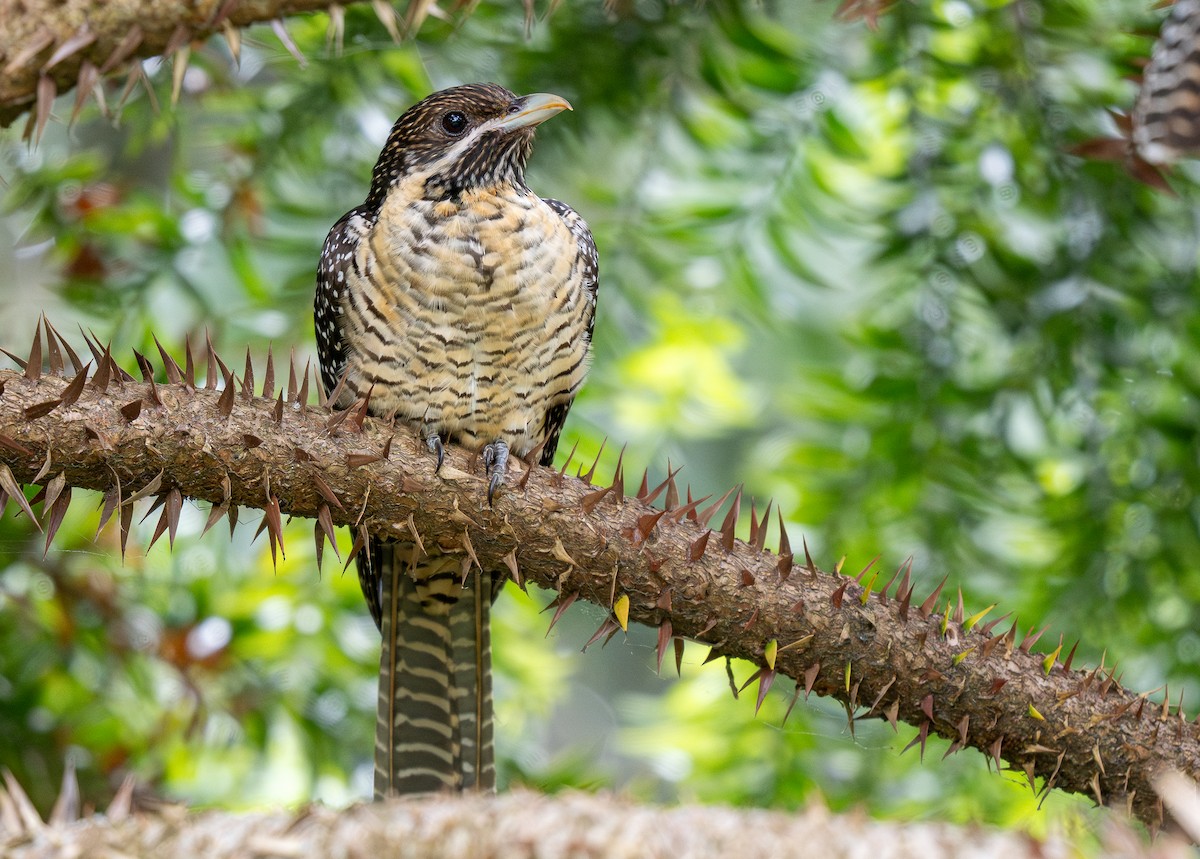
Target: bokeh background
[{"x": 857, "y": 270}]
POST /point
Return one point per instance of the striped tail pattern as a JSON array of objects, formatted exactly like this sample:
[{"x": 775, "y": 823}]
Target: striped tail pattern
[{"x": 434, "y": 721}]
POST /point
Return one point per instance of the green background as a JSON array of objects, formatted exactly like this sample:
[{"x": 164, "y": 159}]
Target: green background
[{"x": 857, "y": 270}]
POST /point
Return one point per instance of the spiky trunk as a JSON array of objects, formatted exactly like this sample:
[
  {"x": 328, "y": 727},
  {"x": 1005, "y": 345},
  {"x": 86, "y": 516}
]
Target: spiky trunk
[{"x": 879, "y": 649}]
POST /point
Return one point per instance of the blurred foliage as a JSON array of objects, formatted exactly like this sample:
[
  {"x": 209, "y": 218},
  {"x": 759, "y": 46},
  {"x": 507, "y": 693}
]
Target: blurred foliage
[{"x": 857, "y": 271}]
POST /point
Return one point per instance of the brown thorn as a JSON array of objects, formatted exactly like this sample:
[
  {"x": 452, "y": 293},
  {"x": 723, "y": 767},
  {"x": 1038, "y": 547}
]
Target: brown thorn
[
  {"x": 696, "y": 547},
  {"x": 510, "y": 561},
  {"x": 39, "y": 410},
  {"x": 72, "y": 391},
  {"x": 665, "y": 634},
  {"x": 618, "y": 482},
  {"x": 15, "y": 446},
  {"x": 174, "y": 376},
  {"x": 225, "y": 401},
  {"x": 645, "y": 526},
  {"x": 293, "y": 387},
  {"x": 882, "y": 692},
  {"x": 808, "y": 561},
  {"x": 644, "y": 487},
  {"x": 302, "y": 394},
  {"x": 730, "y": 523},
  {"x": 561, "y": 603},
  {"x": 52, "y": 350},
  {"x": 703, "y": 518},
  {"x": 590, "y": 501},
  {"x": 648, "y": 498},
  {"x": 810, "y": 678},
  {"x": 285, "y": 38},
  {"x": 587, "y": 478},
  {"x": 760, "y": 542},
  {"x": 416, "y": 535},
  {"x": 866, "y": 569},
  {"x": 562, "y": 471},
  {"x": 1030, "y": 641},
  {"x": 671, "y": 500},
  {"x": 189, "y": 363},
  {"x": 9, "y": 484},
  {"x": 277, "y": 412},
  {"x": 926, "y": 608},
  {"x": 268, "y": 388},
  {"x": 836, "y": 597},
  {"x": 688, "y": 509},
  {"x": 58, "y": 509},
  {"x": 33, "y": 366}
]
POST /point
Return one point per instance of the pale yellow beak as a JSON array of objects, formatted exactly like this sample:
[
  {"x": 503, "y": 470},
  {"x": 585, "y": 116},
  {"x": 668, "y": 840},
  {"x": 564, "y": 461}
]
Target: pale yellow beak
[{"x": 532, "y": 110}]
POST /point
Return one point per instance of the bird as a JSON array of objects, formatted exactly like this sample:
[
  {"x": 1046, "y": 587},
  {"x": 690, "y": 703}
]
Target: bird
[{"x": 459, "y": 303}]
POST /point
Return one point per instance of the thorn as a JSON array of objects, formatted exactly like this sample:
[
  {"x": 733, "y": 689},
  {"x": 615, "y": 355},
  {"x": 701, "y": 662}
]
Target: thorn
[
  {"x": 836, "y": 597},
  {"x": 958, "y": 612},
  {"x": 921, "y": 737},
  {"x": 130, "y": 411},
  {"x": 268, "y": 388},
  {"x": 769, "y": 653},
  {"x": 730, "y": 523},
  {"x": 225, "y": 401},
  {"x": 560, "y": 604},
  {"x": 587, "y": 478},
  {"x": 688, "y": 509},
  {"x": 703, "y": 518},
  {"x": 58, "y": 509},
  {"x": 9, "y": 484},
  {"x": 30, "y": 821},
  {"x": 927, "y": 706},
  {"x": 808, "y": 561},
  {"x": 665, "y": 633},
  {"x": 618, "y": 483},
  {"x": 293, "y": 387},
  {"x": 40, "y": 410},
  {"x": 174, "y": 375},
  {"x": 215, "y": 514},
  {"x": 810, "y": 678},
  {"x": 1070, "y": 658},
  {"x": 643, "y": 488},
  {"x": 510, "y": 561},
  {"x": 609, "y": 628},
  {"x": 696, "y": 547},
  {"x": 532, "y": 459},
  {"x": 882, "y": 692},
  {"x": 644, "y": 527},
  {"x": 122, "y": 802},
  {"x": 671, "y": 500},
  {"x": 285, "y": 39},
  {"x": 72, "y": 391},
  {"x": 277, "y": 413},
  {"x": 926, "y": 607},
  {"x": 760, "y": 539},
  {"x": 33, "y": 366},
  {"x": 324, "y": 490},
  {"x": 679, "y": 645},
  {"x": 15, "y": 446},
  {"x": 302, "y": 395},
  {"x": 416, "y": 535},
  {"x": 56, "y": 362},
  {"x": 592, "y": 499},
  {"x": 765, "y": 680},
  {"x": 562, "y": 471},
  {"x": 66, "y": 807},
  {"x": 1030, "y": 641},
  {"x": 112, "y": 500}
]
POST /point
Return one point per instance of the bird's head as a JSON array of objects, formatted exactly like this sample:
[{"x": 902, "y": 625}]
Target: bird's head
[{"x": 466, "y": 137}]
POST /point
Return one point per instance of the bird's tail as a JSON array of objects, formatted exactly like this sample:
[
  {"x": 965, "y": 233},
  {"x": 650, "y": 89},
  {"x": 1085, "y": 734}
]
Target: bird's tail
[{"x": 434, "y": 723}]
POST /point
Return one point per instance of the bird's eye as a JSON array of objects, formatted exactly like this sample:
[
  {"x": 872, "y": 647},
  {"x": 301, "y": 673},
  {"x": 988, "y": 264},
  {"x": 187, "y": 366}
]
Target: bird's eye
[{"x": 454, "y": 123}]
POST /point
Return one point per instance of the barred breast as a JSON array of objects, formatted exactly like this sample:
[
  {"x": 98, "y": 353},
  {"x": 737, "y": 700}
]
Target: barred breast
[{"x": 468, "y": 318}]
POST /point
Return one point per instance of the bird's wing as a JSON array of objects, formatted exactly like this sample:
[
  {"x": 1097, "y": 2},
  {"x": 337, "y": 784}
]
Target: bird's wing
[
  {"x": 588, "y": 266},
  {"x": 333, "y": 272}
]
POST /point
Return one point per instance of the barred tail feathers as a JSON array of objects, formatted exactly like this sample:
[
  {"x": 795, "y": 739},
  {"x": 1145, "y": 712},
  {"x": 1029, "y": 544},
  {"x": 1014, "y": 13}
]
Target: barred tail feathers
[{"x": 434, "y": 721}]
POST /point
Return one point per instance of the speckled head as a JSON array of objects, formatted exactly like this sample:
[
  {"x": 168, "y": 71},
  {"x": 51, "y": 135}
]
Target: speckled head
[{"x": 472, "y": 136}]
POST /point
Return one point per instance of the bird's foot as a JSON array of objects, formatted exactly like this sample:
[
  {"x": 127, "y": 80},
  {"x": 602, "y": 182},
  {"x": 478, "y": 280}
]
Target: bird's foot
[
  {"x": 434, "y": 443},
  {"x": 495, "y": 465}
]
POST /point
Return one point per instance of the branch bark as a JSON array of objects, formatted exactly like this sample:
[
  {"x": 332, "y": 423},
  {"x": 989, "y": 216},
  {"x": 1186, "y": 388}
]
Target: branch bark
[
  {"x": 47, "y": 47},
  {"x": 881, "y": 651},
  {"x": 518, "y": 825}
]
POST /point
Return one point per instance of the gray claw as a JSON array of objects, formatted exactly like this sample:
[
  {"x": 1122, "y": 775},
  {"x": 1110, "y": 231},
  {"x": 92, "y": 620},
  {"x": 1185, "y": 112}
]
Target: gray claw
[
  {"x": 495, "y": 463},
  {"x": 434, "y": 443}
]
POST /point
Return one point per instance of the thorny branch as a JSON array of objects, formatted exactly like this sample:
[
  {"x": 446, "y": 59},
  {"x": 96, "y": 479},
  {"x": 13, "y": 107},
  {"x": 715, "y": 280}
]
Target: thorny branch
[
  {"x": 48, "y": 47},
  {"x": 867, "y": 641}
]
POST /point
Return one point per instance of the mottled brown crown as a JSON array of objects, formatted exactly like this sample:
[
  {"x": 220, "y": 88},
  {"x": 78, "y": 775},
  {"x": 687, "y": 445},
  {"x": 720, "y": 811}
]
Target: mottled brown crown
[{"x": 421, "y": 138}]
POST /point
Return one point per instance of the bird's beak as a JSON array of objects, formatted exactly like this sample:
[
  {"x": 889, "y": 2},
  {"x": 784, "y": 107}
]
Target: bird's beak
[{"x": 532, "y": 110}]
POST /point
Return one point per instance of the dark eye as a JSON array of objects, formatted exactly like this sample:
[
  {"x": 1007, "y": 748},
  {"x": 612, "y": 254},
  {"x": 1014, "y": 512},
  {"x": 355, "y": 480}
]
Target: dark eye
[{"x": 454, "y": 122}]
